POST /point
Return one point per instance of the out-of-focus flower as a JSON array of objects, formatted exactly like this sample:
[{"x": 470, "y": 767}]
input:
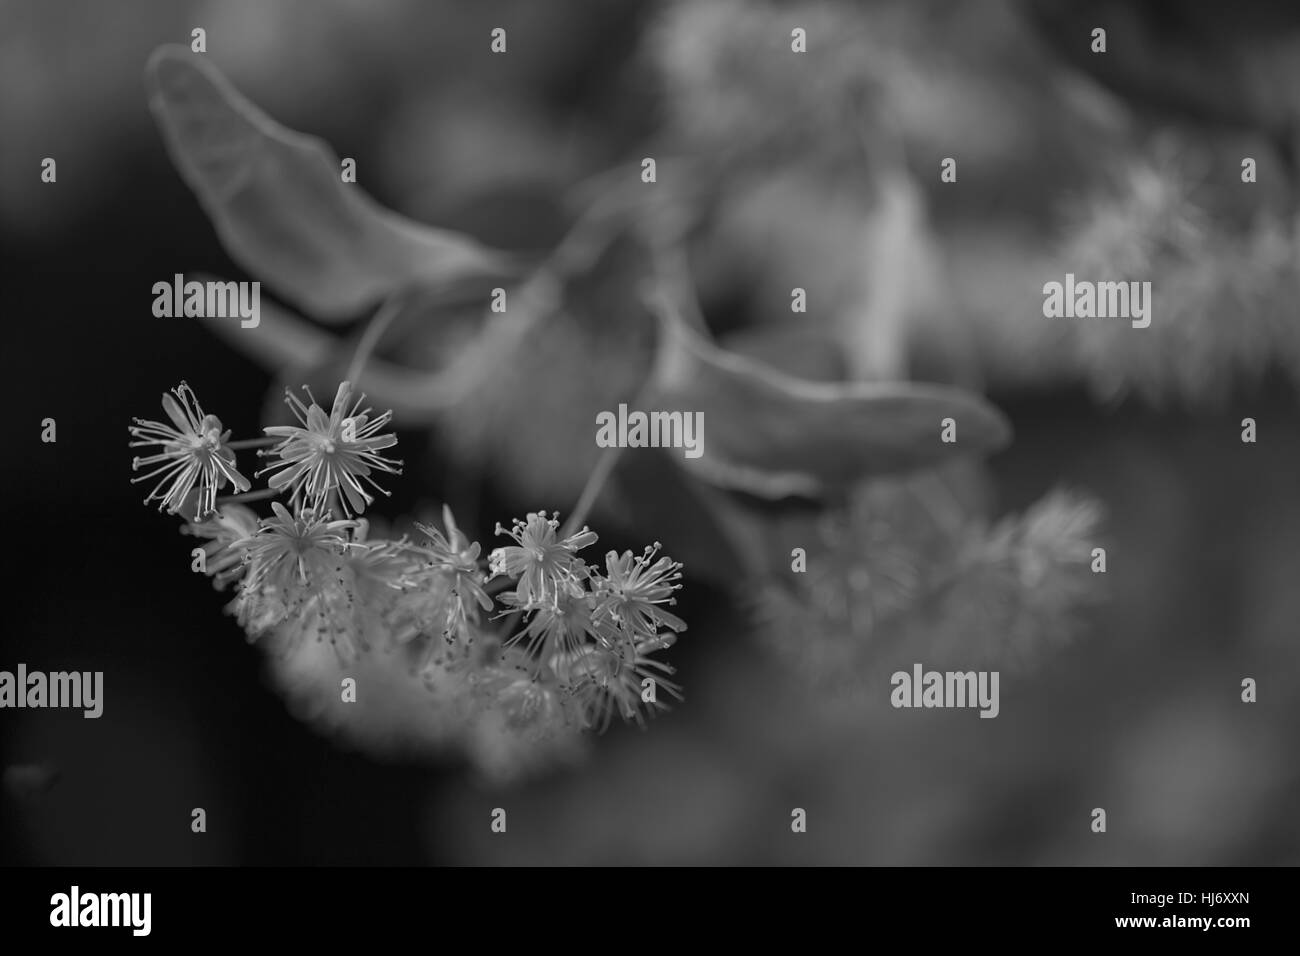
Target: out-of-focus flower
[
  {"x": 530, "y": 705},
  {"x": 546, "y": 565},
  {"x": 297, "y": 570},
  {"x": 193, "y": 452},
  {"x": 428, "y": 610},
  {"x": 441, "y": 598},
  {"x": 900, "y": 579},
  {"x": 334, "y": 453},
  {"x": 563, "y": 627},
  {"x": 289, "y": 551},
  {"x": 230, "y": 523},
  {"x": 453, "y": 554},
  {"x": 613, "y": 678},
  {"x": 380, "y": 574},
  {"x": 1018, "y": 587},
  {"x": 1152, "y": 227},
  {"x": 874, "y": 556}
]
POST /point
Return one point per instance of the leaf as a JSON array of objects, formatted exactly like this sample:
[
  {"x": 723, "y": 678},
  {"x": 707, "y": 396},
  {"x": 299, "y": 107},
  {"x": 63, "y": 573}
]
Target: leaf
[
  {"x": 809, "y": 353},
  {"x": 775, "y": 435},
  {"x": 280, "y": 206}
]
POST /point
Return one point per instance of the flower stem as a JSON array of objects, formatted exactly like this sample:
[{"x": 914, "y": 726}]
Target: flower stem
[
  {"x": 266, "y": 442},
  {"x": 669, "y": 268},
  {"x": 370, "y": 338},
  {"x": 591, "y": 491},
  {"x": 260, "y": 495}
]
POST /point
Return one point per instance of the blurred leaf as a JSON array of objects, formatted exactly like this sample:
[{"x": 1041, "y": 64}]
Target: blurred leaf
[
  {"x": 280, "y": 206},
  {"x": 775, "y": 435},
  {"x": 814, "y": 354}
]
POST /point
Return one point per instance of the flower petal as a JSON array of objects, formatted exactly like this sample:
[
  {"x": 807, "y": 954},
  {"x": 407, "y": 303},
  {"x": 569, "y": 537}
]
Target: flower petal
[{"x": 176, "y": 414}]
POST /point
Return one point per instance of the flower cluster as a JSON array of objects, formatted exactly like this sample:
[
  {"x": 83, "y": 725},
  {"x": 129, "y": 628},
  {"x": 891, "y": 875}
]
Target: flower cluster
[
  {"x": 1152, "y": 225},
  {"x": 562, "y": 647},
  {"x": 589, "y": 634},
  {"x": 906, "y": 575}
]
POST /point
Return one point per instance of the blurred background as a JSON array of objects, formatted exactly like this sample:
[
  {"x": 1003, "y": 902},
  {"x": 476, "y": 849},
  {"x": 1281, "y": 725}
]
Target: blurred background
[{"x": 827, "y": 177}]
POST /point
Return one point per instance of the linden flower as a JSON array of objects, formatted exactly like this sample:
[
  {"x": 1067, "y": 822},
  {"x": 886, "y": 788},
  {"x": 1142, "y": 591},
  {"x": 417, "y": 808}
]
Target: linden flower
[
  {"x": 546, "y": 565},
  {"x": 426, "y": 607},
  {"x": 333, "y": 616},
  {"x": 456, "y": 556},
  {"x": 529, "y": 706},
  {"x": 605, "y": 679},
  {"x": 634, "y": 591},
  {"x": 378, "y": 574},
  {"x": 230, "y": 523},
  {"x": 441, "y": 596},
  {"x": 331, "y": 454},
  {"x": 561, "y": 628},
  {"x": 193, "y": 453},
  {"x": 292, "y": 559}
]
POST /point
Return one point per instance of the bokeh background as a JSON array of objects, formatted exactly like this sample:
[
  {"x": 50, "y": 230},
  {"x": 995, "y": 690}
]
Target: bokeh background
[{"x": 1141, "y": 714}]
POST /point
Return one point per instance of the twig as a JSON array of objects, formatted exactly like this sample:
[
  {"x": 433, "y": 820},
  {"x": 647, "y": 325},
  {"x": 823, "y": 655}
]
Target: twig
[
  {"x": 260, "y": 495},
  {"x": 265, "y": 442},
  {"x": 370, "y": 338}
]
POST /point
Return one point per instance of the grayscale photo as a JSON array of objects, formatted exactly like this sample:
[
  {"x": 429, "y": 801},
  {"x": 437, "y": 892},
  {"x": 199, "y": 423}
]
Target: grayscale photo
[{"x": 680, "y": 433}]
